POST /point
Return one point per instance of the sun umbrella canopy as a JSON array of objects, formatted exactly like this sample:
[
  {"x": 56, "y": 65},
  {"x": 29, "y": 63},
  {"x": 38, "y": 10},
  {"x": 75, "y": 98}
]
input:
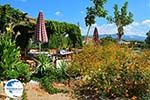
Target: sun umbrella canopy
[
  {"x": 96, "y": 36},
  {"x": 40, "y": 32}
]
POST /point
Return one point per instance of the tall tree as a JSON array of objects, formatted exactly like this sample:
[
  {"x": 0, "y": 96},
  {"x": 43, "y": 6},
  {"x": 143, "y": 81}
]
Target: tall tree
[
  {"x": 94, "y": 11},
  {"x": 121, "y": 18},
  {"x": 89, "y": 19}
]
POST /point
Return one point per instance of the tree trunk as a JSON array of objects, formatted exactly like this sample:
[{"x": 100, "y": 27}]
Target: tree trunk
[
  {"x": 119, "y": 36},
  {"x": 87, "y": 34},
  {"x": 120, "y": 32}
]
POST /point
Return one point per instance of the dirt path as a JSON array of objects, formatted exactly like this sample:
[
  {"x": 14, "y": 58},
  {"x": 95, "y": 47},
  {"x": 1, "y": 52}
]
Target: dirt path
[{"x": 34, "y": 92}]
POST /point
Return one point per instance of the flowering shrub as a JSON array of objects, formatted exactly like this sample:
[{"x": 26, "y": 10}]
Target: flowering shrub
[
  {"x": 113, "y": 71},
  {"x": 92, "y": 58}
]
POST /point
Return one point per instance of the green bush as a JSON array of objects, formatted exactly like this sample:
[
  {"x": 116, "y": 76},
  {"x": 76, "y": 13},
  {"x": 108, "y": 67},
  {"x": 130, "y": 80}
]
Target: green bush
[
  {"x": 108, "y": 39},
  {"x": 73, "y": 71},
  {"x": 58, "y": 41},
  {"x": 112, "y": 71},
  {"x": 46, "y": 83},
  {"x": 61, "y": 29},
  {"x": 47, "y": 74},
  {"x": 51, "y": 76},
  {"x": 11, "y": 65},
  {"x": 43, "y": 64}
]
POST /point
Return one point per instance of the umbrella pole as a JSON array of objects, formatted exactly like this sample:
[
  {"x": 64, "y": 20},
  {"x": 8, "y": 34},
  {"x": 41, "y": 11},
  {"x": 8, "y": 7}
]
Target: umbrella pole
[{"x": 39, "y": 47}]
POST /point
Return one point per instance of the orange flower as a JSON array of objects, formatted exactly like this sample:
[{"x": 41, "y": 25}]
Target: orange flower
[{"x": 134, "y": 98}]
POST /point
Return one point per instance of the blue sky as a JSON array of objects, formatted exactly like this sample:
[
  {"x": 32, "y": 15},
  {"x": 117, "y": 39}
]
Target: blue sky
[{"x": 74, "y": 11}]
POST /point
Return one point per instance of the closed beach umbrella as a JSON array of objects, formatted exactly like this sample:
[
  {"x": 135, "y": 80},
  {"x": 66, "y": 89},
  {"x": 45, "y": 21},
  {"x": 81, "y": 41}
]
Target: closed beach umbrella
[
  {"x": 96, "y": 36},
  {"x": 40, "y": 32}
]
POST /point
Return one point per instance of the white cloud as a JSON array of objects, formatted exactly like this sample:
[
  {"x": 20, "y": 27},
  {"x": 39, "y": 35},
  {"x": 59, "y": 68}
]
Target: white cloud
[
  {"x": 135, "y": 24},
  {"x": 136, "y": 28},
  {"x": 102, "y": 29},
  {"x": 146, "y": 22},
  {"x": 58, "y": 13},
  {"x": 82, "y": 12}
]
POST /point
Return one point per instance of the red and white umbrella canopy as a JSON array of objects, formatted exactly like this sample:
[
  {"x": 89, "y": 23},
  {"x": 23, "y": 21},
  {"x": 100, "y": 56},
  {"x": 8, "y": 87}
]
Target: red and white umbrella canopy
[
  {"x": 40, "y": 32},
  {"x": 96, "y": 35}
]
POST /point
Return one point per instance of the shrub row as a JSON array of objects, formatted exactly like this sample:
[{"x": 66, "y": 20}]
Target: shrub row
[{"x": 112, "y": 71}]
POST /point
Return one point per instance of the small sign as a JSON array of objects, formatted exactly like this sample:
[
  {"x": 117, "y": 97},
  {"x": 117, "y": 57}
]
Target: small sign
[{"x": 14, "y": 88}]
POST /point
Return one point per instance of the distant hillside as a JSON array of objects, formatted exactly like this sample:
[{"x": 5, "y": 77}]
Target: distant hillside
[
  {"x": 134, "y": 37},
  {"x": 126, "y": 37}
]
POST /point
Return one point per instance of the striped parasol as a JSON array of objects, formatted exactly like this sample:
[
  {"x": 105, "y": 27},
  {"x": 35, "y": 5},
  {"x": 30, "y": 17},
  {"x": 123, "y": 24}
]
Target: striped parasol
[
  {"x": 40, "y": 32},
  {"x": 96, "y": 36}
]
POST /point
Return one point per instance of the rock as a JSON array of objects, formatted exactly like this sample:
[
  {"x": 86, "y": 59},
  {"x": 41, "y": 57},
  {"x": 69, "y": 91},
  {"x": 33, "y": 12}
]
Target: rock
[{"x": 34, "y": 82}]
